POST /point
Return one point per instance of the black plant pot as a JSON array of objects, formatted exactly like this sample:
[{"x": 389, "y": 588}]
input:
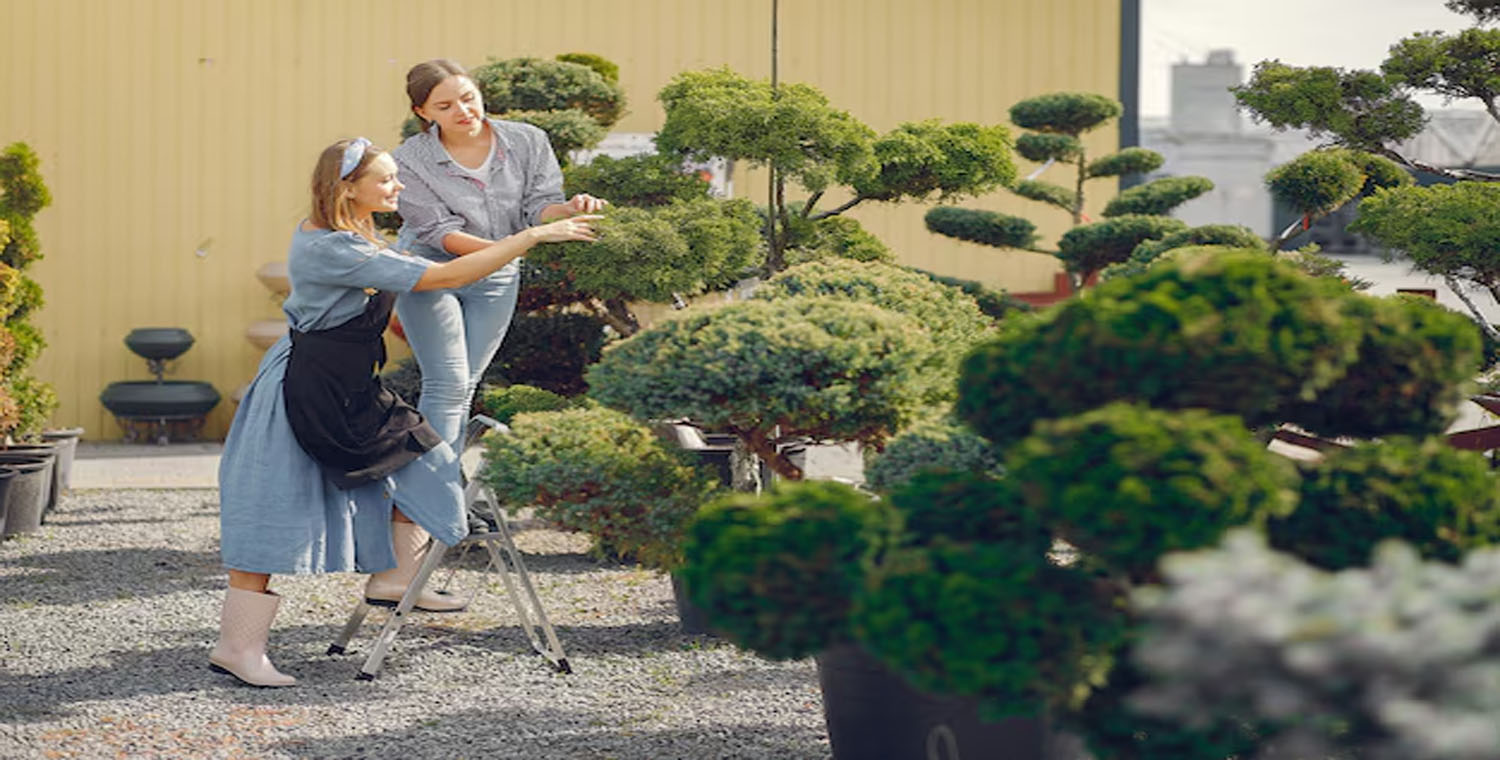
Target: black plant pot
[
  {"x": 68, "y": 449},
  {"x": 52, "y": 451},
  {"x": 690, "y": 616},
  {"x": 159, "y": 399},
  {"x": 159, "y": 342},
  {"x": 26, "y": 494},
  {"x": 6, "y": 476},
  {"x": 873, "y": 714}
]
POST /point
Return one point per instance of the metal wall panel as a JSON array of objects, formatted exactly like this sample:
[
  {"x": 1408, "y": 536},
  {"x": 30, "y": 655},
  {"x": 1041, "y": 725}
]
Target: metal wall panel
[{"x": 166, "y": 127}]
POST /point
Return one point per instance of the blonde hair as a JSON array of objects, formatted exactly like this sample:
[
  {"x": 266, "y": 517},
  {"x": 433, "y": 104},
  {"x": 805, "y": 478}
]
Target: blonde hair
[{"x": 332, "y": 208}]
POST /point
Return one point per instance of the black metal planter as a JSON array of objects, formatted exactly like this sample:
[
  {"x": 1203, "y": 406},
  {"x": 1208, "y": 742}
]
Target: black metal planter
[
  {"x": 873, "y": 714},
  {"x": 26, "y": 492},
  {"x": 159, "y": 406}
]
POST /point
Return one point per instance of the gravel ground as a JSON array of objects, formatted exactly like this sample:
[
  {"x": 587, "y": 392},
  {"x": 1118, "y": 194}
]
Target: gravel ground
[{"x": 107, "y": 615}]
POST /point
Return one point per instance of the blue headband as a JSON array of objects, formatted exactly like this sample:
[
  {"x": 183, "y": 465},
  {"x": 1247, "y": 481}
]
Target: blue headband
[{"x": 354, "y": 152}]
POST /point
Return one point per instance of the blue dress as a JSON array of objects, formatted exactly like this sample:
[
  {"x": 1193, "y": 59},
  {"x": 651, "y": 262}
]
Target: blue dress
[{"x": 279, "y": 513}]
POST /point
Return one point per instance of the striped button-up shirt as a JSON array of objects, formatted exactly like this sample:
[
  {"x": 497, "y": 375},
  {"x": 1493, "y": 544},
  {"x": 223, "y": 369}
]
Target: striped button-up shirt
[{"x": 440, "y": 197}]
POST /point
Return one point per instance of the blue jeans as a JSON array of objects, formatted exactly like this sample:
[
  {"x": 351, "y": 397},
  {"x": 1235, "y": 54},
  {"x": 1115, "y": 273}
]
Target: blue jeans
[{"x": 453, "y": 335}]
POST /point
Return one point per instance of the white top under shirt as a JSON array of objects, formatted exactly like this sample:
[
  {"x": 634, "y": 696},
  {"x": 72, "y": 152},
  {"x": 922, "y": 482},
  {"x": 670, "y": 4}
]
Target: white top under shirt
[{"x": 480, "y": 173}]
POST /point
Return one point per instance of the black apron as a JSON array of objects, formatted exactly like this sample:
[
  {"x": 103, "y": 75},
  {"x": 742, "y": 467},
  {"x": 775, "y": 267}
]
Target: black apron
[{"x": 339, "y": 411}]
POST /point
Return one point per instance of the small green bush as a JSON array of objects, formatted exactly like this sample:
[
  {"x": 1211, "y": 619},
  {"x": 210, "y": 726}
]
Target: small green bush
[
  {"x": 920, "y": 160},
  {"x": 601, "y": 65},
  {"x": 1227, "y": 235},
  {"x": 938, "y": 444},
  {"x": 815, "y": 368},
  {"x": 1040, "y": 147},
  {"x": 650, "y": 179},
  {"x": 1093, "y": 246},
  {"x": 1415, "y": 366},
  {"x": 1316, "y": 182},
  {"x": 985, "y": 620},
  {"x": 835, "y": 237},
  {"x": 1126, "y": 484},
  {"x": 1046, "y": 192},
  {"x": 539, "y": 85},
  {"x": 597, "y": 471},
  {"x": 983, "y": 227},
  {"x": 1159, "y": 196},
  {"x": 1126, "y": 161},
  {"x": 1068, "y": 113},
  {"x": 995, "y": 304},
  {"x": 1440, "y": 500},
  {"x": 1234, "y": 332},
  {"x": 966, "y": 506},
  {"x": 503, "y": 404},
  {"x": 776, "y": 573}
]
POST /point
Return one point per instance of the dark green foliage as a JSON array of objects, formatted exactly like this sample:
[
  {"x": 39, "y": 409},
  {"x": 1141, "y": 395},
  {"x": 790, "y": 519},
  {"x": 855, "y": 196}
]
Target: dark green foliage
[
  {"x": 720, "y": 113},
  {"x": 1046, "y": 192},
  {"x": 1091, "y": 247},
  {"x": 1416, "y": 359},
  {"x": 1232, "y": 235},
  {"x": 1316, "y": 182},
  {"x": 1447, "y": 230},
  {"x": 823, "y": 369},
  {"x": 776, "y": 573},
  {"x": 1068, "y": 113},
  {"x": 567, "y": 130},
  {"x": 1462, "y": 65},
  {"x": 995, "y": 305},
  {"x": 650, "y": 179},
  {"x": 549, "y": 350},
  {"x": 1358, "y": 109},
  {"x": 1126, "y": 161},
  {"x": 1114, "y": 731},
  {"x": 953, "y": 319},
  {"x": 598, "y": 471},
  {"x": 983, "y": 227},
  {"x": 1485, "y": 11},
  {"x": 535, "y": 84},
  {"x": 919, "y": 160},
  {"x": 834, "y": 237},
  {"x": 1126, "y": 483},
  {"x": 504, "y": 403},
  {"x": 1041, "y": 146},
  {"x": 1440, "y": 500},
  {"x": 544, "y": 286},
  {"x": 966, "y": 505},
  {"x": 1379, "y": 171},
  {"x": 941, "y": 444},
  {"x": 1159, "y": 196},
  {"x": 682, "y": 248},
  {"x": 1236, "y": 332},
  {"x": 601, "y": 65},
  {"x": 996, "y": 621}
]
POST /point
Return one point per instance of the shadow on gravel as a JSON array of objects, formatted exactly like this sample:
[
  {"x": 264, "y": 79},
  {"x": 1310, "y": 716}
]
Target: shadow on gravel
[
  {"x": 80, "y": 576},
  {"x": 577, "y": 640},
  {"x": 569, "y": 563},
  {"x": 545, "y": 734}
]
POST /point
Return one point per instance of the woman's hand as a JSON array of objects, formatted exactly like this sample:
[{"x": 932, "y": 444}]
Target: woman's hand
[
  {"x": 573, "y": 229},
  {"x": 583, "y": 203}
]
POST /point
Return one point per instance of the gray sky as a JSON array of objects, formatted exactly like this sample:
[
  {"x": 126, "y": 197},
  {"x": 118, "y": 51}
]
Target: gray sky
[{"x": 1345, "y": 33}]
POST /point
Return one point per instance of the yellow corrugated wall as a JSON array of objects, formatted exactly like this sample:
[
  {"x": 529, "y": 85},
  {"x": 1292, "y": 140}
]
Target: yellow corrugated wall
[{"x": 169, "y": 126}]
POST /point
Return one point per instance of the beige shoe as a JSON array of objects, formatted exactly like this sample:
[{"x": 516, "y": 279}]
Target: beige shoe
[
  {"x": 386, "y": 587},
  {"x": 244, "y": 625}
]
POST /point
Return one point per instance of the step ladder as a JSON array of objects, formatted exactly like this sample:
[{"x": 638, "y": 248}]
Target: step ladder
[{"x": 504, "y": 560}]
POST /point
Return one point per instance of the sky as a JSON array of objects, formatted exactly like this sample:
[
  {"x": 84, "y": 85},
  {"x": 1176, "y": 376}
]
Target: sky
[{"x": 1344, "y": 33}]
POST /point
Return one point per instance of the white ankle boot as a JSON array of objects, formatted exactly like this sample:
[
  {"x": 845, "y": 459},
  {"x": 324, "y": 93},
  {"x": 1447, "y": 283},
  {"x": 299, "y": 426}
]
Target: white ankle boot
[
  {"x": 244, "y": 625},
  {"x": 386, "y": 587}
]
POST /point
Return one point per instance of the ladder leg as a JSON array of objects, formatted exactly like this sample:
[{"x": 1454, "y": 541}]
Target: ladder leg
[
  {"x": 430, "y": 562},
  {"x": 356, "y": 619},
  {"x": 511, "y": 563}
]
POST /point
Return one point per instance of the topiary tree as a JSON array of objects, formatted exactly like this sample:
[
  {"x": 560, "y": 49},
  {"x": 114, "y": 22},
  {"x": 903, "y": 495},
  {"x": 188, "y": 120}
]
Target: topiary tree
[
  {"x": 940, "y": 443},
  {"x": 25, "y": 401},
  {"x": 794, "y": 131},
  {"x": 1058, "y": 120},
  {"x": 504, "y": 403},
  {"x": 776, "y": 573},
  {"x": 772, "y": 372},
  {"x": 597, "y": 471}
]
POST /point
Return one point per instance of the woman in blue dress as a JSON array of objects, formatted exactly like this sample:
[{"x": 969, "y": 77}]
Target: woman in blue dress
[
  {"x": 471, "y": 180},
  {"x": 324, "y": 470}
]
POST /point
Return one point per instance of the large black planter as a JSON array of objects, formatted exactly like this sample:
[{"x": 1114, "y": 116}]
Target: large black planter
[
  {"x": 5, "y": 478},
  {"x": 26, "y": 494},
  {"x": 873, "y": 714},
  {"x": 50, "y": 450},
  {"x": 165, "y": 399},
  {"x": 159, "y": 342}
]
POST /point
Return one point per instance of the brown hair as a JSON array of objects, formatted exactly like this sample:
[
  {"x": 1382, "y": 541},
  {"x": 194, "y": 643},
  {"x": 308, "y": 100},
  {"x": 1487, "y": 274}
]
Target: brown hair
[
  {"x": 331, "y": 207},
  {"x": 421, "y": 78}
]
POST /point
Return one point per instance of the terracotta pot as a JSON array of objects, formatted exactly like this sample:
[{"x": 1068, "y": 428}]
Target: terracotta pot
[
  {"x": 272, "y": 274},
  {"x": 263, "y": 333}
]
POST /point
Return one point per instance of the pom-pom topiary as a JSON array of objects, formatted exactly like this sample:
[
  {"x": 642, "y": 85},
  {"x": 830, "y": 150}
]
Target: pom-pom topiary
[
  {"x": 936, "y": 444},
  {"x": 776, "y": 573},
  {"x": 504, "y": 403}
]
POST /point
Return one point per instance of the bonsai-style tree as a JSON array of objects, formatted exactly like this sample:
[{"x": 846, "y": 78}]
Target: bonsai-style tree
[
  {"x": 794, "y": 131},
  {"x": 25, "y": 401},
  {"x": 1057, "y": 122},
  {"x": 1447, "y": 232}
]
